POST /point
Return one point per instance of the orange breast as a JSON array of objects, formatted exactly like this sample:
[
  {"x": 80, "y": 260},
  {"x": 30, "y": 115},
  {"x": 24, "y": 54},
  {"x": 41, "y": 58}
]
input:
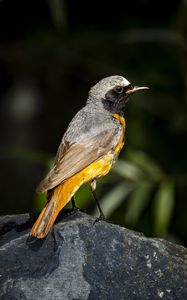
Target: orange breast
[{"x": 122, "y": 138}]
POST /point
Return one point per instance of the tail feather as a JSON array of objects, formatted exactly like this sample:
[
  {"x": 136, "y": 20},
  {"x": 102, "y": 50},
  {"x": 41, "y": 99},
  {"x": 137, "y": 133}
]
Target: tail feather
[
  {"x": 58, "y": 198},
  {"x": 45, "y": 220}
]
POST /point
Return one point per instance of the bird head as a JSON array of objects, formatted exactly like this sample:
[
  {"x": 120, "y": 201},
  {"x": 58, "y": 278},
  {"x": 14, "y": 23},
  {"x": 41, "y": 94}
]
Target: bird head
[{"x": 112, "y": 93}]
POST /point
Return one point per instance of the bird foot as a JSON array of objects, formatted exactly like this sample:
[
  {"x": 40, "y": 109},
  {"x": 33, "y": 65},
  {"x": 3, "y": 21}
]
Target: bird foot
[
  {"x": 75, "y": 209},
  {"x": 100, "y": 218}
]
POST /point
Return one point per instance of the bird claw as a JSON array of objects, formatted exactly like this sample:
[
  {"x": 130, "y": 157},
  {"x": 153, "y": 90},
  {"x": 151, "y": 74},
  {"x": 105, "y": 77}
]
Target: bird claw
[
  {"x": 100, "y": 218},
  {"x": 77, "y": 209}
]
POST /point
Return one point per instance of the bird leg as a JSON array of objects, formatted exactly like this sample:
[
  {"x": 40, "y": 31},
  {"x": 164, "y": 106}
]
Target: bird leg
[
  {"x": 101, "y": 214},
  {"x": 73, "y": 203},
  {"x": 74, "y": 206}
]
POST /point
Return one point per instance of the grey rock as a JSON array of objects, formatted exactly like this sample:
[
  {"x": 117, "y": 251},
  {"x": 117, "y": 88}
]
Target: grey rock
[{"x": 79, "y": 260}]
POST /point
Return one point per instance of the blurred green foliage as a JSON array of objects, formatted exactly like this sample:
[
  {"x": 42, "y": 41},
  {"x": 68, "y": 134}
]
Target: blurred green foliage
[{"x": 46, "y": 74}]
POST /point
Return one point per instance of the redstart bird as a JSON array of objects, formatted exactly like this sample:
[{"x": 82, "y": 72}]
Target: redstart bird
[{"x": 89, "y": 148}]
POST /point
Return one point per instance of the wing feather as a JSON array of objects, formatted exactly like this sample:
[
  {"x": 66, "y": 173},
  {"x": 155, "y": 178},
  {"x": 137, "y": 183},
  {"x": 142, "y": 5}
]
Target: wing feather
[{"x": 73, "y": 158}]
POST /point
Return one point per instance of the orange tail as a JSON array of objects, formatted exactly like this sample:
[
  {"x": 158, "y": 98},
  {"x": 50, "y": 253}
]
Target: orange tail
[{"x": 59, "y": 197}]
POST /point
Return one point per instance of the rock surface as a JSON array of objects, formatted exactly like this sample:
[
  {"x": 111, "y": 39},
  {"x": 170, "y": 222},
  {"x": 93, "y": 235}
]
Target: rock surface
[{"x": 79, "y": 260}]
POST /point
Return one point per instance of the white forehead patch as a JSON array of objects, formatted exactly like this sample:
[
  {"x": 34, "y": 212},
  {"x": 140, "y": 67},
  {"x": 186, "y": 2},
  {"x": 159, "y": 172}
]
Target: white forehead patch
[
  {"x": 107, "y": 83},
  {"x": 125, "y": 81}
]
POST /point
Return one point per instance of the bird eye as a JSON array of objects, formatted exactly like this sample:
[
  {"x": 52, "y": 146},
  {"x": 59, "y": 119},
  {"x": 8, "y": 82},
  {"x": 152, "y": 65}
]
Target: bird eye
[{"x": 119, "y": 89}]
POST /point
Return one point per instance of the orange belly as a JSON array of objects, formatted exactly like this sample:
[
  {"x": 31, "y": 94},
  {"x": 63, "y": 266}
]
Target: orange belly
[{"x": 67, "y": 189}]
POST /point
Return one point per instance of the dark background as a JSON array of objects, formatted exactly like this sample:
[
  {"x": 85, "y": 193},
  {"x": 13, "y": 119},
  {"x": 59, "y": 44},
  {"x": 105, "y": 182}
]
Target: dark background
[{"x": 51, "y": 53}]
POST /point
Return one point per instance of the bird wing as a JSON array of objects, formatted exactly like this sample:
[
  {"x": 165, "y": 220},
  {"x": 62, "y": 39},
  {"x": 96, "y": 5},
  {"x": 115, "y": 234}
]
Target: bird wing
[{"x": 73, "y": 158}]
